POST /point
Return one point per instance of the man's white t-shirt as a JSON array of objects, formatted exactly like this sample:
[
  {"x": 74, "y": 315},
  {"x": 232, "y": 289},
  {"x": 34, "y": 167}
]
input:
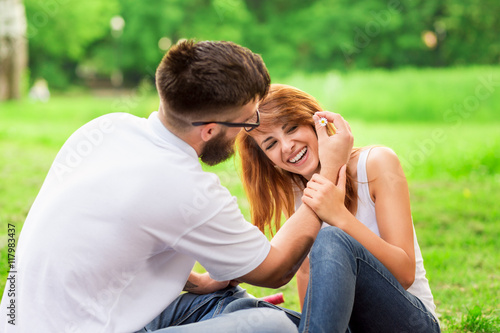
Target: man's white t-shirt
[{"x": 124, "y": 213}]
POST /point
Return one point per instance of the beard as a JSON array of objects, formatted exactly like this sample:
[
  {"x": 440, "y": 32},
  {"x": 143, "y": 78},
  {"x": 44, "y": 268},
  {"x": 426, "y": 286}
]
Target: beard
[{"x": 217, "y": 150}]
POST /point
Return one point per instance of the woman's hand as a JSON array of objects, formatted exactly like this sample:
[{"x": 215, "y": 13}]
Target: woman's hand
[
  {"x": 326, "y": 199},
  {"x": 334, "y": 151}
]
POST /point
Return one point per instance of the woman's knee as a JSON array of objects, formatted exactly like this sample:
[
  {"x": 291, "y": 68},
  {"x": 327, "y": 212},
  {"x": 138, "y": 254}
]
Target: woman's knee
[
  {"x": 331, "y": 240},
  {"x": 329, "y": 233}
]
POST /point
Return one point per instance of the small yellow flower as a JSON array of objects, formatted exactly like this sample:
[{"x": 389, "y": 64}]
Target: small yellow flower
[{"x": 323, "y": 121}]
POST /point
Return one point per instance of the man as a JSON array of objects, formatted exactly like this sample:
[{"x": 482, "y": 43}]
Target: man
[{"x": 126, "y": 210}]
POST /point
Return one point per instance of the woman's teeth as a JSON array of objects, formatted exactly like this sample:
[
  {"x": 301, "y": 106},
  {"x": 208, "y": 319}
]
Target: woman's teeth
[{"x": 298, "y": 156}]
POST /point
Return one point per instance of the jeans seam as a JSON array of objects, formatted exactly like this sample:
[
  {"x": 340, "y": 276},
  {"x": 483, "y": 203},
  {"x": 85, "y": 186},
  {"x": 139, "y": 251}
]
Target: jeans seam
[
  {"x": 308, "y": 312},
  {"x": 426, "y": 312},
  {"x": 275, "y": 307},
  {"x": 353, "y": 251},
  {"x": 220, "y": 305}
]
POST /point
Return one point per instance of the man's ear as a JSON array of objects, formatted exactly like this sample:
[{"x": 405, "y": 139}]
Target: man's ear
[{"x": 208, "y": 131}]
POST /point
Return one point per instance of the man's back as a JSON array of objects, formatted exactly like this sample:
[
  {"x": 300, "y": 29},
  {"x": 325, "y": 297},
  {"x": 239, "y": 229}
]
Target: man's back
[{"x": 116, "y": 229}]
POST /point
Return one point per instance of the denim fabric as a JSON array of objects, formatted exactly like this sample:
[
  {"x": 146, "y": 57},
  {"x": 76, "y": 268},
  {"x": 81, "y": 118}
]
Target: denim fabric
[
  {"x": 351, "y": 291},
  {"x": 216, "y": 312},
  {"x": 250, "y": 303}
]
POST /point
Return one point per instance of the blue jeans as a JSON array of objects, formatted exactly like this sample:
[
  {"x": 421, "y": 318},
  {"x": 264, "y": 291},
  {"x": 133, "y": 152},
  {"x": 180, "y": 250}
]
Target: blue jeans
[
  {"x": 227, "y": 310},
  {"x": 351, "y": 291}
]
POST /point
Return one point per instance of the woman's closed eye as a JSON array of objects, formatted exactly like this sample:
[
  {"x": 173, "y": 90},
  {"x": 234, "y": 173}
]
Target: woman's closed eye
[
  {"x": 271, "y": 145},
  {"x": 288, "y": 130}
]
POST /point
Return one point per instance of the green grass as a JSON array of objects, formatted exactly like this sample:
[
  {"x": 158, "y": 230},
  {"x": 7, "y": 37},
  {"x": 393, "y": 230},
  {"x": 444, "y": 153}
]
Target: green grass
[
  {"x": 453, "y": 169},
  {"x": 475, "y": 321}
]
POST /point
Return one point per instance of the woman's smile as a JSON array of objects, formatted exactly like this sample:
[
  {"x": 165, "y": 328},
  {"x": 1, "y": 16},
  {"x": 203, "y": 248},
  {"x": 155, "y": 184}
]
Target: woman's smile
[{"x": 299, "y": 157}]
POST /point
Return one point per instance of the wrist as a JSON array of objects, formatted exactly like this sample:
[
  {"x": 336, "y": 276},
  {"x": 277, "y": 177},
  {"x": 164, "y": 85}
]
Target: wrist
[
  {"x": 341, "y": 219},
  {"x": 193, "y": 282},
  {"x": 331, "y": 170}
]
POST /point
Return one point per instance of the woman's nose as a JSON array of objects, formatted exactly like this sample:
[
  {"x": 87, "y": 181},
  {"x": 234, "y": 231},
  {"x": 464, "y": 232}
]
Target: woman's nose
[{"x": 288, "y": 146}]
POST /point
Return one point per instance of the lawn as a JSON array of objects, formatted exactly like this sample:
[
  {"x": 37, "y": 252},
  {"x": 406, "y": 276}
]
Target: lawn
[{"x": 442, "y": 123}]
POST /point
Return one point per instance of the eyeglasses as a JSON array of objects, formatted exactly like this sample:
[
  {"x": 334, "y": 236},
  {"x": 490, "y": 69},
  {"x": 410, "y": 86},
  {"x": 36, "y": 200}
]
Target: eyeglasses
[{"x": 246, "y": 126}]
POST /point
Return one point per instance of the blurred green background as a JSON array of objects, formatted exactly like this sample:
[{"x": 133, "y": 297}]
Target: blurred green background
[
  {"x": 421, "y": 77},
  {"x": 80, "y": 41}
]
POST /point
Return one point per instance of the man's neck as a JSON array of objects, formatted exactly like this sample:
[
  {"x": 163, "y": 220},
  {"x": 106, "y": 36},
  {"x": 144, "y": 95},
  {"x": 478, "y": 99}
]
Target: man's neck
[{"x": 190, "y": 137}]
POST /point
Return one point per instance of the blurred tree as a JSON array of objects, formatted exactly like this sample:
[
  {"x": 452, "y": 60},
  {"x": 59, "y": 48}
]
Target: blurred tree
[
  {"x": 13, "y": 52},
  {"x": 151, "y": 29},
  {"x": 470, "y": 30},
  {"x": 60, "y": 31},
  {"x": 291, "y": 35}
]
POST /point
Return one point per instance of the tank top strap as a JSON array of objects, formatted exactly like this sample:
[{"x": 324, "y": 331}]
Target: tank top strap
[{"x": 361, "y": 167}]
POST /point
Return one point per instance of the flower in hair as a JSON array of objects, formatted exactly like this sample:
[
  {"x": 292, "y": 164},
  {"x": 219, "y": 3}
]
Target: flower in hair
[{"x": 323, "y": 121}]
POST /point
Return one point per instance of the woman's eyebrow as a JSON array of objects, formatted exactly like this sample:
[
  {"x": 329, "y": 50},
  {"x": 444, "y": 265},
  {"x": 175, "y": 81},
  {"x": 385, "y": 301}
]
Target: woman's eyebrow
[
  {"x": 265, "y": 140},
  {"x": 270, "y": 137}
]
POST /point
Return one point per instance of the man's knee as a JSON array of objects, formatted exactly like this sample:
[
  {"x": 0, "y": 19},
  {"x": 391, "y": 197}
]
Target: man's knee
[
  {"x": 241, "y": 304},
  {"x": 264, "y": 320}
]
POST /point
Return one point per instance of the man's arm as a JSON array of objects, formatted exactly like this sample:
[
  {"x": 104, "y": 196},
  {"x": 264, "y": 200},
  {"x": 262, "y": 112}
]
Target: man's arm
[
  {"x": 203, "y": 284},
  {"x": 289, "y": 247},
  {"x": 292, "y": 242}
]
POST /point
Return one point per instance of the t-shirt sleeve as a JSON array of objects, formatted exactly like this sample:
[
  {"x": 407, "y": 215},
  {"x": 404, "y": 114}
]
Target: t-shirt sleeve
[{"x": 224, "y": 243}]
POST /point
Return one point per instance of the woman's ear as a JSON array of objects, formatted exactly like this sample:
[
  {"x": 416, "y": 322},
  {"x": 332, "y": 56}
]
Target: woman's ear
[{"x": 208, "y": 131}]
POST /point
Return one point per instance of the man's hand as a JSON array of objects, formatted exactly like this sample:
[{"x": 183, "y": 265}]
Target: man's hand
[
  {"x": 335, "y": 150},
  {"x": 204, "y": 284}
]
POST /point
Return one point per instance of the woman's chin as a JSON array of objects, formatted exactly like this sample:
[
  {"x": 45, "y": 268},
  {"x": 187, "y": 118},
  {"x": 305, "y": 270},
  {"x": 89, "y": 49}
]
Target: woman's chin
[{"x": 307, "y": 173}]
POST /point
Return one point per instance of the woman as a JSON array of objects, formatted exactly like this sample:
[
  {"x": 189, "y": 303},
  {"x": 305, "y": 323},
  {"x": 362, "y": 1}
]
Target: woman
[{"x": 366, "y": 273}]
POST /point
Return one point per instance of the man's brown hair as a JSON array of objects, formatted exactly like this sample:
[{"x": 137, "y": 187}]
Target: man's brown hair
[{"x": 196, "y": 80}]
